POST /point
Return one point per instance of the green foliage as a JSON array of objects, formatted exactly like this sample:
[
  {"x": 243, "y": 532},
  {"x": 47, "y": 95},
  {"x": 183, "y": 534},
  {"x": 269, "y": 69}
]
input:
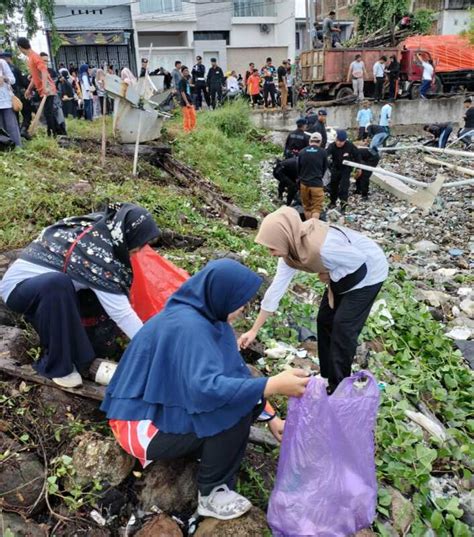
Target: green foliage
[{"x": 28, "y": 9}]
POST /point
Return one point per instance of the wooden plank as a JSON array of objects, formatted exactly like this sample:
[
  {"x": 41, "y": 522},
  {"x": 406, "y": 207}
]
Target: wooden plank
[{"x": 91, "y": 390}]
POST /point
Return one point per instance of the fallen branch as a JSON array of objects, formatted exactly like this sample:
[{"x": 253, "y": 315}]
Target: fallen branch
[{"x": 207, "y": 190}]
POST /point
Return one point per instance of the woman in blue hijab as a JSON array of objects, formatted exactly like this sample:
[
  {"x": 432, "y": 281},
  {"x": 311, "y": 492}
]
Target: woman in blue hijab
[{"x": 182, "y": 387}]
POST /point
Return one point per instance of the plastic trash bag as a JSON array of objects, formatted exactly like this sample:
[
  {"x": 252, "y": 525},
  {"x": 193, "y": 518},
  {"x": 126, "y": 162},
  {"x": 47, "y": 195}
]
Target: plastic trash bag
[
  {"x": 326, "y": 484},
  {"x": 155, "y": 279}
]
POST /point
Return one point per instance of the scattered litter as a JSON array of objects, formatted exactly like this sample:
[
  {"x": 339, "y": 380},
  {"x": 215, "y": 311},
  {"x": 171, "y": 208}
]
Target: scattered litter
[
  {"x": 381, "y": 313},
  {"x": 455, "y": 252},
  {"x": 426, "y": 423},
  {"x": 462, "y": 332},
  {"x": 98, "y": 518}
]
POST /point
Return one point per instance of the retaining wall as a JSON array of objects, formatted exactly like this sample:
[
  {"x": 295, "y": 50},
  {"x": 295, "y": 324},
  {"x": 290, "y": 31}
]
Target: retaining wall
[{"x": 405, "y": 113}]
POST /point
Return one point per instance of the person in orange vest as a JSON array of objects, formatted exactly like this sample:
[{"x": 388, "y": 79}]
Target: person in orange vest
[
  {"x": 253, "y": 87},
  {"x": 185, "y": 99}
]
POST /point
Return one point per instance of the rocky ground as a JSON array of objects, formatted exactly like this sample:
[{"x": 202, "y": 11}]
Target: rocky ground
[{"x": 62, "y": 474}]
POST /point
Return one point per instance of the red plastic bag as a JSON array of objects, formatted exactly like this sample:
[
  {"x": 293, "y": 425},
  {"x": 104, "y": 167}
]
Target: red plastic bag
[{"x": 155, "y": 279}]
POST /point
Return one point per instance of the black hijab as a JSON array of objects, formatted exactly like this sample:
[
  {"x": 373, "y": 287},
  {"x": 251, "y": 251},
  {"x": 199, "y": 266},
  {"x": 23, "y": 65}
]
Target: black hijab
[{"x": 94, "y": 249}]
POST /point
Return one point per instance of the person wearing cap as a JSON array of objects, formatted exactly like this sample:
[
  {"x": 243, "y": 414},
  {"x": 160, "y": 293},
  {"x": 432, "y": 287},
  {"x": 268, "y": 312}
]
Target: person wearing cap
[
  {"x": 286, "y": 173},
  {"x": 341, "y": 149},
  {"x": 144, "y": 67},
  {"x": 352, "y": 266},
  {"x": 19, "y": 88},
  {"x": 312, "y": 165},
  {"x": 215, "y": 82},
  {"x": 297, "y": 139},
  {"x": 318, "y": 124},
  {"x": 198, "y": 74}
]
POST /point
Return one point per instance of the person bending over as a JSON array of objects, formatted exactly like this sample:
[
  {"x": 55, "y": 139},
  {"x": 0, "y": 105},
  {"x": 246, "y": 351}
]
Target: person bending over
[
  {"x": 189, "y": 393},
  {"x": 79, "y": 252},
  {"x": 354, "y": 268}
]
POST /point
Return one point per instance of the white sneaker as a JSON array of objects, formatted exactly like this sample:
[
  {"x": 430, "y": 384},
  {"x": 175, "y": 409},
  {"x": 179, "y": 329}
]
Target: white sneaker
[
  {"x": 223, "y": 503},
  {"x": 73, "y": 380}
]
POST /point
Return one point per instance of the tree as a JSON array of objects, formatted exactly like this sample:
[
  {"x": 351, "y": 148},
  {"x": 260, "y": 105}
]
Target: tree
[{"x": 15, "y": 14}]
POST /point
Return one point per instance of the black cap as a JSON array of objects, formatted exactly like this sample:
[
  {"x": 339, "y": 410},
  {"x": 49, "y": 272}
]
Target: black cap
[
  {"x": 322, "y": 112},
  {"x": 213, "y": 60},
  {"x": 301, "y": 121}
]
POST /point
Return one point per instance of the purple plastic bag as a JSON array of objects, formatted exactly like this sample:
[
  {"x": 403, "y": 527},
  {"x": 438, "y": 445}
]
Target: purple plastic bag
[{"x": 326, "y": 484}]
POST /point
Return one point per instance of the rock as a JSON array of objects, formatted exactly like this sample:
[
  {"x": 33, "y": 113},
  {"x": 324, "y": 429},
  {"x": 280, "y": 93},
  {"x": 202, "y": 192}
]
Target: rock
[
  {"x": 252, "y": 524},
  {"x": 160, "y": 526},
  {"x": 98, "y": 457},
  {"x": 460, "y": 332},
  {"x": 467, "y": 306},
  {"x": 7, "y": 317},
  {"x": 467, "y": 350},
  {"x": 445, "y": 274},
  {"x": 433, "y": 298},
  {"x": 425, "y": 246},
  {"x": 403, "y": 512},
  {"x": 169, "y": 485},
  {"x": 13, "y": 343},
  {"x": 21, "y": 476},
  {"x": 399, "y": 230},
  {"x": 21, "y": 527},
  {"x": 61, "y": 407},
  {"x": 465, "y": 291}
]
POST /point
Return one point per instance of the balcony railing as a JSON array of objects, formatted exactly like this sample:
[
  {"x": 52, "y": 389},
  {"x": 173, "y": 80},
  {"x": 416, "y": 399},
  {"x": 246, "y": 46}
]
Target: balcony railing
[
  {"x": 254, "y": 8},
  {"x": 160, "y": 6}
]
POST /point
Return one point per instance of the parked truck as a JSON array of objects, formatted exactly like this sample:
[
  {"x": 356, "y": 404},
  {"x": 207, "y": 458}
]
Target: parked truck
[{"x": 324, "y": 71}]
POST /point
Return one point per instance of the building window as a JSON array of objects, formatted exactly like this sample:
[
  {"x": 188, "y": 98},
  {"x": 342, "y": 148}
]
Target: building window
[
  {"x": 160, "y": 6},
  {"x": 252, "y": 8},
  {"x": 213, "y": 36},
  {"x": 297, "y": 41},
  {"x": 459, "y": 4}
]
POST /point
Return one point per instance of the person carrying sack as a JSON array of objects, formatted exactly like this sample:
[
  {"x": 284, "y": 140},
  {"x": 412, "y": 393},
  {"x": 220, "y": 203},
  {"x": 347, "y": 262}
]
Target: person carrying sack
[{"x": 354, "y": 268}]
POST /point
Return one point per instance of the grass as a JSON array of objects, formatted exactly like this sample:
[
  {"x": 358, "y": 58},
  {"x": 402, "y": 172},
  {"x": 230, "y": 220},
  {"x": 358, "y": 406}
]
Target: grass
[{"x": 39, "y": 185}]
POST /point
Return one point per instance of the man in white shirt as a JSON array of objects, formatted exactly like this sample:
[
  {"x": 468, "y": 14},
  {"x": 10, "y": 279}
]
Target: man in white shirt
[
  {"x": 426, "y": 77},
  {"x": 386, "y": 117},
  {"x": 379, "y": 77},
  {"x": 356, "y": 74}
]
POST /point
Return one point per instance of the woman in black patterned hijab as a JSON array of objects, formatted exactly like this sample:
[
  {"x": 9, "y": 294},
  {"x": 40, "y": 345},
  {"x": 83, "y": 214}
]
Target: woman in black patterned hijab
[{"x": 84, "y": 252}]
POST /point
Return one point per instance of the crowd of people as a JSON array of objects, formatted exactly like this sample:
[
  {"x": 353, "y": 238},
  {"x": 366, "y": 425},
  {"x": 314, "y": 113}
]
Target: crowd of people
[
  {"x": 77, "y": 92},
  {"x": 310, "y": 165}
]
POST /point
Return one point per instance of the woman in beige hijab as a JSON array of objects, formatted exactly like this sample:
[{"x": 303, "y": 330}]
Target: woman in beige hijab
[{"x": 354, "y": 268}]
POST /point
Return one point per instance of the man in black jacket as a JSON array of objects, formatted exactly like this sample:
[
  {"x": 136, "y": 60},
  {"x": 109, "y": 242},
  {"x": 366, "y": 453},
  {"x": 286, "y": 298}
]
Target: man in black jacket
[
  {"x": 318, "y": 124},
  {"x": 341, "y": 149},
  {"x": 369, "y": 158},
  {"x": 393, "y": 71},
  {"x": 440, "y": 132},
  {"x": 199, "y": 82},
  {"x": 215, "y": 81},
  {"x": 312, "y": 165},
  {"x": 286, "y": 173},
  {"x": 297, "y": 139}
]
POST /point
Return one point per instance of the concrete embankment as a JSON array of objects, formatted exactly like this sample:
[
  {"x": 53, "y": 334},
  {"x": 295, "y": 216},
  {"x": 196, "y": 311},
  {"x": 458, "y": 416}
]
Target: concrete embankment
[{"x": 405, "y": 113}]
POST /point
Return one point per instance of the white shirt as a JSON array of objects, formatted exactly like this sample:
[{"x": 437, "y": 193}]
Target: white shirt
[
  {"x": 357, "y": 69},
  {"x": 232, "y": 84},
  {"x": 427, "y": 71},
  {"x": 341, "y": 258},
  {"x": 5, "y": 85},
  {"x": 385, "y": 115},
  {"x": 118, "y": 307},
  {"x": 379, "y": 70},
  {"x": 85, "y": 85}
]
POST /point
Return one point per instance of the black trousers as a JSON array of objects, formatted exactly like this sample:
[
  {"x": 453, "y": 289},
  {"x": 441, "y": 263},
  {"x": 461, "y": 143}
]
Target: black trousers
[
  {"x": 339, "y": 329},
  {"x": 378, "y": 95},
  {"x": 362, "y": 135},
  {"x": 269, "y": 90},
  {"x": 49, "y": 115},
  {"x": 50, "y": 303},
  {"x": 215, "y": 95},
  {"x": 26, "y": 114},
  {"x": 363, "y": 182},
  {"x": 220, "y": 455},
  {"x": 200, "y": 90},
  {"x": 285, "y": 183},
  {"x": 339, "y": 185},
  {"x": 392, "y": 88}
]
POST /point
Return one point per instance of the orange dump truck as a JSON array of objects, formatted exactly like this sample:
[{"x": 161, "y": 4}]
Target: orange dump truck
[{"x": 324, "y": 72}]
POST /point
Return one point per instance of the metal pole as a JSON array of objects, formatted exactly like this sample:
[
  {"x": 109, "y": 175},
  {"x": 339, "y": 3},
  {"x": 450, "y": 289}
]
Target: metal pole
[
  {"x": 455, "y": 167},
  {"x": 400, "y": 147},
  {"x": 467, "y": 154},
  {"x": 307, "y": 38},
  {"x": 468, "y": 133},
  {"x": 459, "y": 183},
  {"x": 385, "y": 172}
]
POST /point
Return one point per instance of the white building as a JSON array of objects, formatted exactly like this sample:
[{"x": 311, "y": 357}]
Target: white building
[{"x": 235, "y": 32}]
